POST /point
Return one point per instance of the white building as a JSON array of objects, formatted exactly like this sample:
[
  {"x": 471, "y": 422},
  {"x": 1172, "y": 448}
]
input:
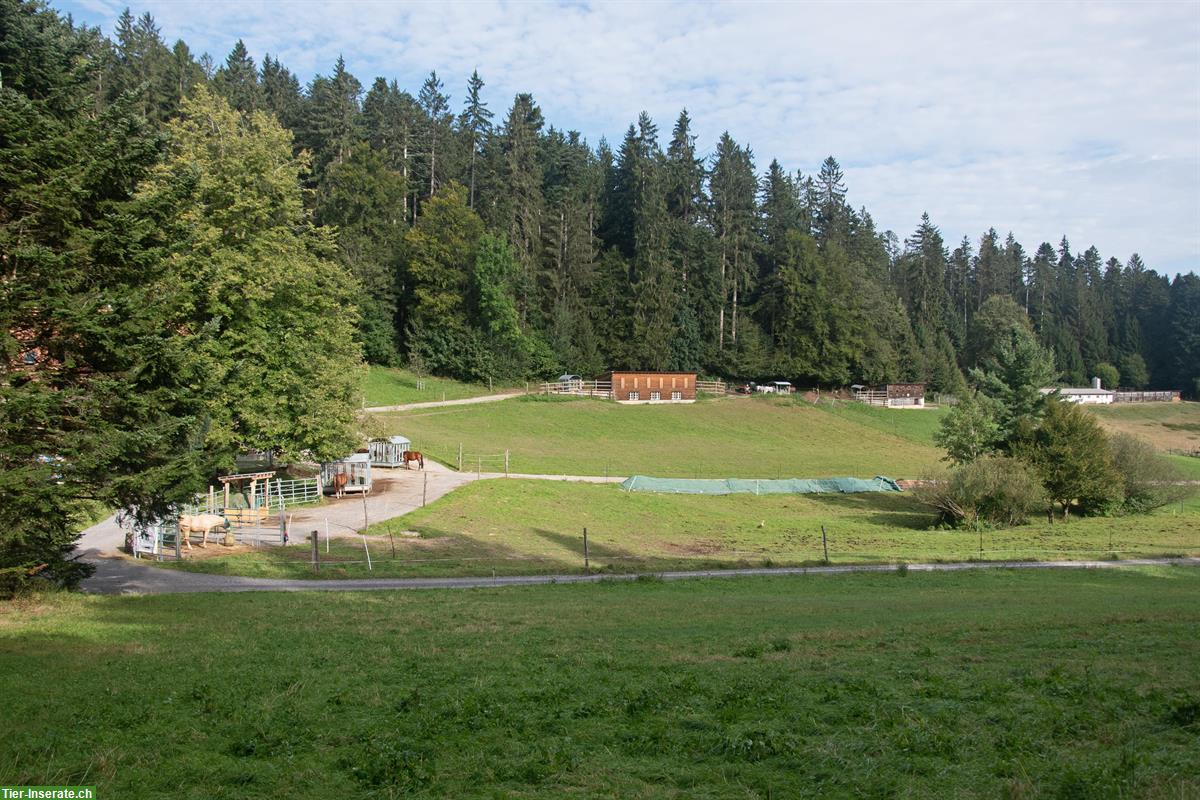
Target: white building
[{"x": 1092, "y": 395}]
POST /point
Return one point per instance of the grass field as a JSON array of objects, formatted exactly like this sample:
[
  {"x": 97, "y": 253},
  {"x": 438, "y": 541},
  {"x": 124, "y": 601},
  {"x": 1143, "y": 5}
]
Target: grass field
[
  {"x": 386, "y": 386},
  {"x": 917, "y": 425},
  {"x": 756, "y": 437},
  {"x": 1168, "y": 426},
  {"x": 521, "y": 527},
  {"x": 979, "y": 685}
]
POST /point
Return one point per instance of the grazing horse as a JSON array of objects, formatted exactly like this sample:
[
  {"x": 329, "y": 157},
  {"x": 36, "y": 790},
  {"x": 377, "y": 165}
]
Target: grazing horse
[
  {"x": 339, "y": 481},
  {"x": 203, "y": 523},
  {"x": 414, "y": 455}
]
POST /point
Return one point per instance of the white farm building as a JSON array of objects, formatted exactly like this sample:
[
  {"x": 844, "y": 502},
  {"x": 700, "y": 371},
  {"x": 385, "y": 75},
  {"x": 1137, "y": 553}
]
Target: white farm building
[{"x": 1092, "y": 395}]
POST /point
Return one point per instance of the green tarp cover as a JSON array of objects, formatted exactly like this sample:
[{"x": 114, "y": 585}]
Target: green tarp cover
[{"x": 641, "y": 483}]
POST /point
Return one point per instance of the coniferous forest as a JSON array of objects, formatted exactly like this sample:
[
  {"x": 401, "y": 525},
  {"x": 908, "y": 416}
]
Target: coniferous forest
[
  {"x": 198, "y": 256},
  {"x": 484, "y": 242}
]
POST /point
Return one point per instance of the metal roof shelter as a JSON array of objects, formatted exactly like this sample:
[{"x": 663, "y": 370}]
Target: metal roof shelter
[
  {"x": 356, "y": 465},
  {"x": 389, "y": 452}
]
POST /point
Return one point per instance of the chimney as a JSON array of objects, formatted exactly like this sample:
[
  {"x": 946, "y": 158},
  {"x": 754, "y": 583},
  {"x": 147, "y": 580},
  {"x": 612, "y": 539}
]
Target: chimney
[{"x": 1095, "y": 383}]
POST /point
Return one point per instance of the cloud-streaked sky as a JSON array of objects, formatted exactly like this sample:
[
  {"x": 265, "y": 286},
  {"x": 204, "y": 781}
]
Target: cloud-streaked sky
[{"x": 1044, "y": 119}]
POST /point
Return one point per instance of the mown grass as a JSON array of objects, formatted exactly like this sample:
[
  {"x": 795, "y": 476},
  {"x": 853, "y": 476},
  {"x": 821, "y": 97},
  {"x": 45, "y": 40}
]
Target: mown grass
[
  {"x": 524, "y": 527},
  {"x": 1169, "y": 426},
  {"x": 916, "y": 425},
  {"x": 756, "y": 437},
  {"x": 993, "y": 684},
  {"x": 387, "y": 386}
]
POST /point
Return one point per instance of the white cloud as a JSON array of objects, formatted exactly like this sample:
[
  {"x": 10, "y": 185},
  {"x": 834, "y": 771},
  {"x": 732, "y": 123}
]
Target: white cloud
[{"x": 1045, "y": 119}]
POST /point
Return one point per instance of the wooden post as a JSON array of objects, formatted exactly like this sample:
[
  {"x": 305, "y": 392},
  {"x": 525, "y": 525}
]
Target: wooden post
[
  {"x": 586, "y": 565},
  {"x": 316, "y": 551},
  {"x": 424, "y": 489},
  {"x": 327, "y": 534},
  {"x": 460, "y": 456},
  {"x": 367, "y": 550},
  {"x": 825, "y": 544},
  {"x": 212, "y": 500},
  {"x": 506, "y": 463},
  {"x": 393, "y": 541},
  {"x": 366, "y": 522},
  {"x": 226, "y": 494},
  {"x": 479, "y": 466},
  {"x": 981, "y": 542}
]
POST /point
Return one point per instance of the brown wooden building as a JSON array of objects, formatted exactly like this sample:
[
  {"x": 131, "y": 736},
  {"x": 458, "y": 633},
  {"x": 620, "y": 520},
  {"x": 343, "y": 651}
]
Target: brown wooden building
[
  {"x": 891, "y": 395},
  {"x": 651, "y": 387}
]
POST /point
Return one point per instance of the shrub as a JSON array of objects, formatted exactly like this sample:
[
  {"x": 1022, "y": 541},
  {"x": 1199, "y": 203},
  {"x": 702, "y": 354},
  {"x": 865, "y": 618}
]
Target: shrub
[
  {"x": 1071, "y": 454},
  {"x": 1149, "y": 480},
  {"x": 994, "y": 491}
]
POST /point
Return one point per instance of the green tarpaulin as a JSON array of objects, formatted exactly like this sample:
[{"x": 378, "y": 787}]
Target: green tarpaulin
[{"x": 641, "y": 483}]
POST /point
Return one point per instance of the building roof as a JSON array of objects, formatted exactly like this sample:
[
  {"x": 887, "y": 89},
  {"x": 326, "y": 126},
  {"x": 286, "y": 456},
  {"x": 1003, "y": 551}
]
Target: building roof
[{"x": 1078, "y": 391}]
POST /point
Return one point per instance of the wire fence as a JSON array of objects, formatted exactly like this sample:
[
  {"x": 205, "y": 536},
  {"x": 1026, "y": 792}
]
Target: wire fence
[{"x": 334, "y": 546}]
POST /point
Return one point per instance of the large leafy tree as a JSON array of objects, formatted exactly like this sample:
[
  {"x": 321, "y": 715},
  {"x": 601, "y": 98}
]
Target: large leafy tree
[{"x": 270, "y": 310}]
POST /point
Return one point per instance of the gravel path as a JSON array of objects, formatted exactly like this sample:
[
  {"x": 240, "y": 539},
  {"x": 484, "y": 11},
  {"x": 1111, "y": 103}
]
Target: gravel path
[
  {"x": 487, "y": 398},
  {"x": 124, "y": 576}
]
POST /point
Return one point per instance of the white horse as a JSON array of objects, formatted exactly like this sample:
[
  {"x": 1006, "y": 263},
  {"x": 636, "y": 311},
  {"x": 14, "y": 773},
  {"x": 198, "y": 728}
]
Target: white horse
[{"x": 203, "y": 523}]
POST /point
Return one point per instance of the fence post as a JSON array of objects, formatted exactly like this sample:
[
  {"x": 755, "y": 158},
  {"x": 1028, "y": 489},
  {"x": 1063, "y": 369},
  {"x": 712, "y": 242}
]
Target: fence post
[
  {"x": 825, "y": 544},
  {"x": 367, "y": 550},
  {"x": 316, "y": 551},
  {"x": 366, "y": 522},
  {"x": 479, "y": 466},
  {"x": 506, "y": 463},
  {"x": 424, "y": 489},
  {"x": 327, "y": 534},
  {"x": 460, "y": 456},
  {"x": 587, "y": 569}
]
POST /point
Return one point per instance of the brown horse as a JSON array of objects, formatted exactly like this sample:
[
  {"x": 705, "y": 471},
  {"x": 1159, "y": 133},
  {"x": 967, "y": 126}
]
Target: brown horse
[
  {"x": 339, "y": 481},
  {"x": 414, "y": 455}
]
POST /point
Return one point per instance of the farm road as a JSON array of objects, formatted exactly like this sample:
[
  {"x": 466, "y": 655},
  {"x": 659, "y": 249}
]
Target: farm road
[
  {"x": 487, "y": 398},
  {"x": 122, "y": 576},
  {"x": 396, "y": 492}
]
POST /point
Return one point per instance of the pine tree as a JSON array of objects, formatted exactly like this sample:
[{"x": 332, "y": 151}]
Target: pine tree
[
  {"x": 237, "y": 81},
  {"x": 475, "y": 125},
  {"x": 435, "y": 105},
  {"x": 734, "y": 189},
  {"x": 521, "y": 187},
  {"x": 280, "y": 92}
]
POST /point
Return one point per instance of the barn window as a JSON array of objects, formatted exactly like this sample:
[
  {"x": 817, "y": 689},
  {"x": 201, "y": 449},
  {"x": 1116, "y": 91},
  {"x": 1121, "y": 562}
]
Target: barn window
[
  {"x": 635, "y": 396},
  {"x": 656, "y": 396},
  {"x": 676, "y": 395}
]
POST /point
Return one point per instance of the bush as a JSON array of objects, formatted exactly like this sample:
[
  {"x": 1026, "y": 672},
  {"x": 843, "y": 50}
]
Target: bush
[
  {"x": 1071, "y": 454},
  {"x": 1149, "y": 480},
  {"x": 993, "y": 491}
]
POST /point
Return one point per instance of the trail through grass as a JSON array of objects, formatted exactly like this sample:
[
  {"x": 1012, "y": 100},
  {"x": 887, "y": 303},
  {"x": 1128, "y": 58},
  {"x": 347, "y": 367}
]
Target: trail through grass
[
  {"x": 386, "y": 386},
  {"x": 985, "y": 685}
]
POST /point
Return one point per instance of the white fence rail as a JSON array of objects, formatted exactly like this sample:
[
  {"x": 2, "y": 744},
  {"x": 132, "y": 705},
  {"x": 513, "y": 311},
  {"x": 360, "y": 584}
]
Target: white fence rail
[
  {"x": 712, "y": 387},
  {"x": 602, "y": 389},
  {"x": 1145, "y": 397}
]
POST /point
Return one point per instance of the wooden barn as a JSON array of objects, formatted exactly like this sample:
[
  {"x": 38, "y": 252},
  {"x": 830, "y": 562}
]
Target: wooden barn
[
  {"x": 891, "y": 395},
  {"x": 651, "y": 387}
]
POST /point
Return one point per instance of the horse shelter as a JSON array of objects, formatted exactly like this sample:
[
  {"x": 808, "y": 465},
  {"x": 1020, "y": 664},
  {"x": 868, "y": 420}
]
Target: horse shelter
[
  {"x": 357, "y": 468},
  {"x": 389, "y": 452}
]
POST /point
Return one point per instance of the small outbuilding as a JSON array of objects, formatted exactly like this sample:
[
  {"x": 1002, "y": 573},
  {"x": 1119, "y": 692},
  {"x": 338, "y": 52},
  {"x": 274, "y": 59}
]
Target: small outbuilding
[
  {"x": 389, "y": 452},
  {"x": 651, "y": 387},
  {"x": 357, "y": 468},
  {"x": 890, "y": 395}
]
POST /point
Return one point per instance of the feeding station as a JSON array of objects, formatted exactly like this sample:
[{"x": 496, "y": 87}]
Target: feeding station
[
  {"x": 246, "y": 484},
  {"x": 357, "y": 468},
  {"x": 389, "y": 452}
]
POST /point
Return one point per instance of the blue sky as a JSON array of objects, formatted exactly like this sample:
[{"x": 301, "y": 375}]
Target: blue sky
[{"x": 1043, "y": 119}]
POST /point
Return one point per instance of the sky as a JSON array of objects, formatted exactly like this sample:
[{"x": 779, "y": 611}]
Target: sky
[{"x": 1044, "y": 119}]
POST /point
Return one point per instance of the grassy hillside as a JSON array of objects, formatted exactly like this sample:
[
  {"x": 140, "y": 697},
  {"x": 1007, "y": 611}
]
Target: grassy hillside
[
  {"x": 517, "y": 527},
  {"x": 917, "y": 425},
  {"x": 386, "y": 386},
  {"x": 742, "y": 437},
  {"x": 994, "y": 684},
  {"x": 1169, "y": 426}
]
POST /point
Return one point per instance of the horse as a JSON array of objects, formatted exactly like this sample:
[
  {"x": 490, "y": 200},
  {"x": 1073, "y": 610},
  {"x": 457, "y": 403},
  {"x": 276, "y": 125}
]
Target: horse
[
  {"x": 339, "y": 481},
  {"x": 414, "y": 455},
  {"x": 191, "y": 523}
]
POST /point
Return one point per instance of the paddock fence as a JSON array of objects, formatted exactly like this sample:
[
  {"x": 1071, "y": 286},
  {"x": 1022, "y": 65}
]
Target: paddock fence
[
  {"x": 1146, "y": 397},
  {"x": 712, "y": 387},
  {"x": 600, "y": 389}
]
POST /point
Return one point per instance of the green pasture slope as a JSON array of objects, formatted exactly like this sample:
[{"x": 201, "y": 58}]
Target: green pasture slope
[
  {"x": 732, "y": 437},
  {"x": 978, "y": 685},
  {"x": 514, "y": 527},
  {"x": 386, "y": 386},
  {"x": 1169, "y": 426}
]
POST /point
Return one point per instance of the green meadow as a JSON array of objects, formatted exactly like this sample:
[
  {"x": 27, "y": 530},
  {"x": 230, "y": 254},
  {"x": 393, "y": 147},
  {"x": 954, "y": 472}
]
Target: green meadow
[
  {"x": 1057, "y": 684},
  {"x": 756, "y": 437}
]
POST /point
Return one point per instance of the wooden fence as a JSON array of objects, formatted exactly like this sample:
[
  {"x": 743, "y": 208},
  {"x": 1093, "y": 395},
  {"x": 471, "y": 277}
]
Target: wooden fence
[
  {"x": 712, "y": 387},
  {"x": 602, "y": 389},
  {"x": 1146, "y": 397}
]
